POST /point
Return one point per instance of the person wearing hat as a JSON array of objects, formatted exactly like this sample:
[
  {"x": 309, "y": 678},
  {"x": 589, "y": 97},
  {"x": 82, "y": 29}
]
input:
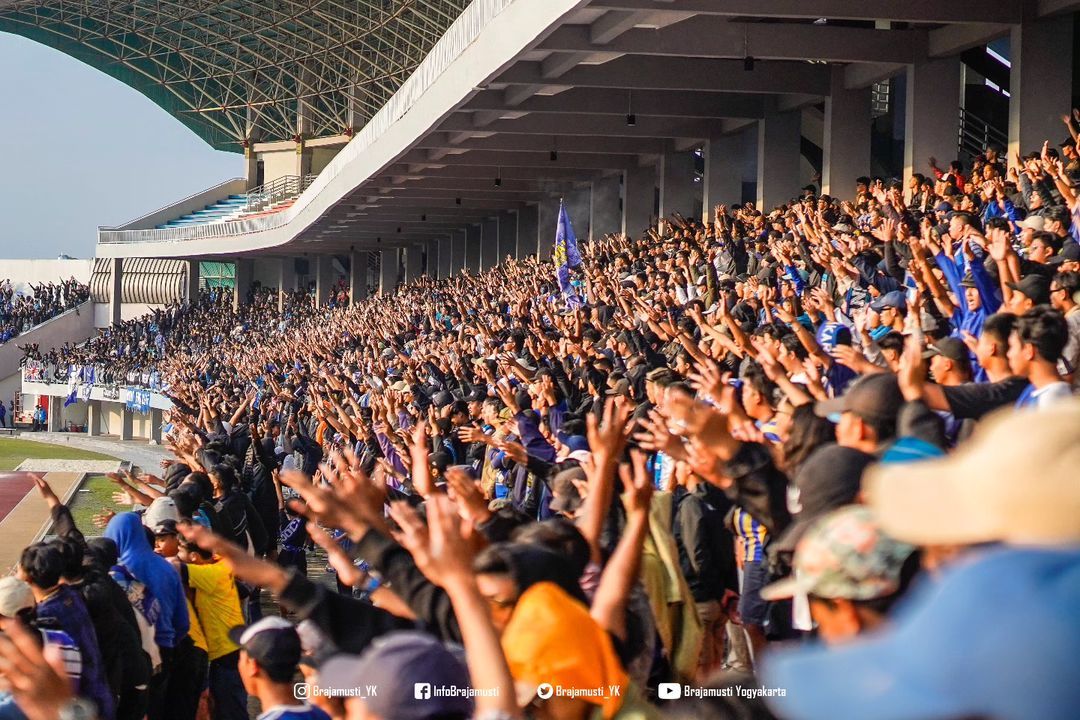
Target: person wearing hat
[
  {"x": 891, "y": 309},
  {"x": 267, "y": 663},
  {"x": 950, "y": 363},
  {"x": 850, "y": 570},
  {"x": 940, "y": 654}
]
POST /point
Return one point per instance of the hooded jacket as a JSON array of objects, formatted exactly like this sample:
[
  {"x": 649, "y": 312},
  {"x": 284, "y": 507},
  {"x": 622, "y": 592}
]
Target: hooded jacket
[{"x": 172, "y": 624}]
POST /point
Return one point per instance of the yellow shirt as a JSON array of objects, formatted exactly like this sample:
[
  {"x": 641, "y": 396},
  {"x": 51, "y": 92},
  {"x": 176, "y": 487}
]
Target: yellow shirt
[
  {"x": 217, "y": 605},
  {"x": 195, "y": 631}
]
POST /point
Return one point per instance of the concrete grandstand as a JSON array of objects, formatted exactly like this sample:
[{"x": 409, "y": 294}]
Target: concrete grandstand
[{"x": 384, "y": 140}]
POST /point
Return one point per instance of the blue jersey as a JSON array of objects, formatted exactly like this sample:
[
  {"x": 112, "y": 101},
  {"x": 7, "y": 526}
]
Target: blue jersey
[{"x": 302, "y": 711}]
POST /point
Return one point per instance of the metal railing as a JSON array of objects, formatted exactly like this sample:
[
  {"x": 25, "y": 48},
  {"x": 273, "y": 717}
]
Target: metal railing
[
  {"x": 283, "y": 188},
  {"x": 976, "y": 134}
]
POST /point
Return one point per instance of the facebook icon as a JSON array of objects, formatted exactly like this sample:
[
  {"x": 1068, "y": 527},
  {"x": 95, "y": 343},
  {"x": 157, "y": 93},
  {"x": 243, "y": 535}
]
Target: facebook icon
[{"x": 422, "y": 691}]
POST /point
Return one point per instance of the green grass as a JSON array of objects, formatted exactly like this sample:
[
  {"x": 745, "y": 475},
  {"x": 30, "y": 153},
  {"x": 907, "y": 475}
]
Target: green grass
[
  {"x": 97, "y": 497},
  {"x": 14, "y": 450}
]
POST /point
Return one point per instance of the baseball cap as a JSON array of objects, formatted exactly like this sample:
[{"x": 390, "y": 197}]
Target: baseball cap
[
  {"x": 941, "y": 654},
  {"x": 830, "y": 478},
  {"x": 621, "y": 387},
  {"x": 950, "y": 347},
  {"x": 15, "y": 595},
  {"x": 844, "y": 554},
  {"x": 872, "y": 397},
  {"x": 1069, "y": 253},
  {"x": 943, "y": 206},
  {"x": 831, "y": 334},
  {"x": 1033, "y": 222},
  {"x": 273, "y": 643},
  {"x": 1013, "y": 480},
  {"x": 160, "y": 510},
  {"x": 396, "y": 664},
  {"x": 1034, "y": 287},
  {"x": 892, "y": 299}
]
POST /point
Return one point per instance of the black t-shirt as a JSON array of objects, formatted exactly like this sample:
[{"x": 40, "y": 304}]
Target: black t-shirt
[{"x": 973, "y": 400}]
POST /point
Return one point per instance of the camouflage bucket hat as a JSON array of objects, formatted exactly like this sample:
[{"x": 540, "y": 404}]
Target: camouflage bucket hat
[{"x": 845, "y": 555}]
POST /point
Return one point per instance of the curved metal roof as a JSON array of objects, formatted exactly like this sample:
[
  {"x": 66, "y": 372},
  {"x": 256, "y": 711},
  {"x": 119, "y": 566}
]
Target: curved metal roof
[{"x": 242, "y": 68}]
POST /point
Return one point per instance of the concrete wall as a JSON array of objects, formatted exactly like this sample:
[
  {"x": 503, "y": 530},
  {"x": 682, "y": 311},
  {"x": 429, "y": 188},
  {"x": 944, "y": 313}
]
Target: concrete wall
[
  {"x": 128, "y": 311},
  {"x": 267, "y": 271},
  {"x": 73, "y": 326},
  {"x": 278, "y": 164},
  {"x": 23, "y": 272},
  {"x": 321, "y": 157}
]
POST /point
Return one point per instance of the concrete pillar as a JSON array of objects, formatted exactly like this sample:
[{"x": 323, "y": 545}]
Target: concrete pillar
[
  {"x": 388, "y": 271},
  {"x": 286, "y": 280},
  {"x": 191, "y": 282},
  {"x": 722, "y": 181},
  {"x": 458, "y": 241},
  {"x": 489, "y": 249},
  {"x": 678, "y": 191},
  {"x": 127, "y": 423},
  {"x": 932, "y": 120},
  {"x": 778, "y": 152},
  {"x": 244, "y": 271},
  {"x": 527, "y": 239},
  {"x": 1039, "y": 82},
  {"x": 414, "y": 262},
  {"x": 508, "y": 234},
  {"x": 548, "y": 223},
  {"x": 156, "y": 421},
  {"x": 93, "y": 418},
  {"x": 324, "y": 278},
  {"x": 638, "y": 200},
  {"x": 846, "y": 148},
  {"x": 116, "y": 294},
  {"x": 474, "y": 241},
  {"x": 55, "y": 409},
  {"x": 445, "y": 266},
  {"x": 358, "y": 276}
]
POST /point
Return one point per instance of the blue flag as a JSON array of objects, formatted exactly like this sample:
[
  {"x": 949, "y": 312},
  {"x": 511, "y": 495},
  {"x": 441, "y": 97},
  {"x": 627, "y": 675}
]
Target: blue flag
[{"x": 566, "y": 256}]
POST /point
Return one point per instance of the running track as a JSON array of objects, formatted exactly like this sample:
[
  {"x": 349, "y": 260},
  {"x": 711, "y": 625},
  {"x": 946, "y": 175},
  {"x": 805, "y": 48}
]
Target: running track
[{"x": 13, "y": 488}]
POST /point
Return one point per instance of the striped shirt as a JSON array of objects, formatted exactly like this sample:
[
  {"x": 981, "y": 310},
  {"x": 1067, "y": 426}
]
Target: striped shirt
[{"x": 752, "y": 533}]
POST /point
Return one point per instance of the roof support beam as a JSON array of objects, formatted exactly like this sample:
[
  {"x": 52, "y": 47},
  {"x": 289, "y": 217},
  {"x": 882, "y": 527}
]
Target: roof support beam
[
  {"x": 955, "y": 39},
  {"x": 536, "y": 143},
  {"x": 921, "y": 11},
  {"x": 682, "y": 74},
  {"x": 861, "y": 75},
  {"x": 714, "y": 37},
  {"x": 581, "y": 124},
  {"x": 613, "y": 101},
  {"x": 598, "y": 161},
  {"x": 613, "y": 24}
]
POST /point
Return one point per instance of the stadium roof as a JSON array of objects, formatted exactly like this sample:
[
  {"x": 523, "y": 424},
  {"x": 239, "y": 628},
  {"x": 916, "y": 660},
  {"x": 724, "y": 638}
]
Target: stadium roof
[{"x": 257, "y": 69}]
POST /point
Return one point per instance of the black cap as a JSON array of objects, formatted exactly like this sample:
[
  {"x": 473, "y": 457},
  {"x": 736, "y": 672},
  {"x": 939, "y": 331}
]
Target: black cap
[
  {"x": 830, "y": 478},
  {"x": 871, "y": 397},
  {"x": 1034, "y": 287},
  {"x": 273, "y": 643},
  {"x": 950, "y": 347}
]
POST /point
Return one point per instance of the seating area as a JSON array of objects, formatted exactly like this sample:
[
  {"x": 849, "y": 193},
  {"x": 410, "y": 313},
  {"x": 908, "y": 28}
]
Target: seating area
[{"x": 230, "y": 208}]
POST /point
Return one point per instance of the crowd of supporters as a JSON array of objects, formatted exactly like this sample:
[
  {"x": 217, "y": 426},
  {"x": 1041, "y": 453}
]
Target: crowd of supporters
[
  {"x": 813, "y": 462},
  {"x": 21, "y": 310}
]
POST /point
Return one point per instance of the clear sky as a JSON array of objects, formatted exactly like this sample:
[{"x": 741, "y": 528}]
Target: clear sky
[{"x": 80, "y": 149}]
